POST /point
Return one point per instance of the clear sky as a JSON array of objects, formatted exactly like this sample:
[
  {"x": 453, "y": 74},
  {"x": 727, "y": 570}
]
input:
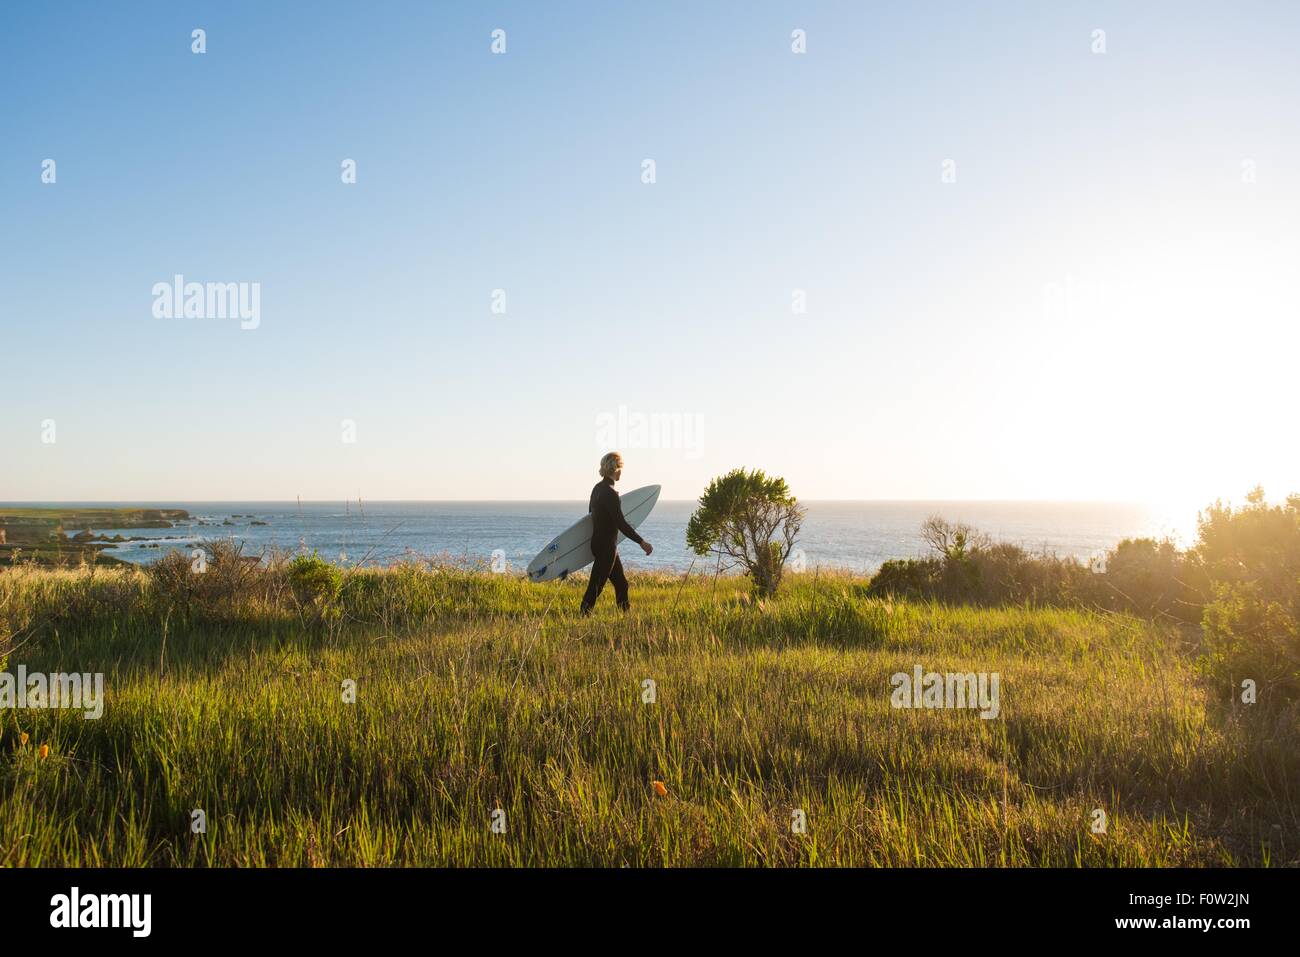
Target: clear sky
[{"x": 1103, "y": 305}]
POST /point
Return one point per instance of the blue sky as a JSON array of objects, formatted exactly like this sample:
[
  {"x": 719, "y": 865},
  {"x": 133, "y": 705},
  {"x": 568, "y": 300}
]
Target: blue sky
[{"x": 1103, "y": 305}]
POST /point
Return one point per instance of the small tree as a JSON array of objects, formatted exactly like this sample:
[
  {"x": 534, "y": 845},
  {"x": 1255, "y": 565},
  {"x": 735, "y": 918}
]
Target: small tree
[
  {"x": 953, "y": 542},
  {"x": 750, "y": 520}
]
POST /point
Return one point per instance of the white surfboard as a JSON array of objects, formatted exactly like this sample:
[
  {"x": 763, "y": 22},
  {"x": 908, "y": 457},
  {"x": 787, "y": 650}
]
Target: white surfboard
[{"x": 571, "y": 549}]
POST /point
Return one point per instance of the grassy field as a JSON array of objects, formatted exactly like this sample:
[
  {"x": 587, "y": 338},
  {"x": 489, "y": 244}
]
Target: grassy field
[{"x": 477, "y": 692}]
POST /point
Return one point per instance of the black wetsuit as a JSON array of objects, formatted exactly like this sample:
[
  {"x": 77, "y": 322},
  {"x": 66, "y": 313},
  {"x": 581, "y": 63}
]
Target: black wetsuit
[{"x": 607, "y": 521}]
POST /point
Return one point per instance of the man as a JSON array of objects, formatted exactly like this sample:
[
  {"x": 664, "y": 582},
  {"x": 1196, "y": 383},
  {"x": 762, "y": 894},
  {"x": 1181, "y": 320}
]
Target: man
[{"x": 607, "y": 521}]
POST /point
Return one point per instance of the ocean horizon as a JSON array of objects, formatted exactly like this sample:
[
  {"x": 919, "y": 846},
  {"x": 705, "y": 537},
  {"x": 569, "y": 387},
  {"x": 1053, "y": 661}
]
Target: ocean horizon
[{"x": 854, "y": 535}]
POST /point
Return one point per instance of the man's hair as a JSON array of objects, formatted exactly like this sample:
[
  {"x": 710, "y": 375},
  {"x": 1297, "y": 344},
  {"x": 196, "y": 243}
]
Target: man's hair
[{"x": 610, "y": 463}]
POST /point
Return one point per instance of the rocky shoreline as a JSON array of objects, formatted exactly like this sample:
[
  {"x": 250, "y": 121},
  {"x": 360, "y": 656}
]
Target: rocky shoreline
[
  {"x": 40, "y": 535},
  {"x": 69, "y": 536}
]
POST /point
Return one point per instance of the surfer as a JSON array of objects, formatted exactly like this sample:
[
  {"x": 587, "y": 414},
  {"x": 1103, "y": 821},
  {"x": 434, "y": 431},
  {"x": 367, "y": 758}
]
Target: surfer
[{"x": 606, "y": 522}]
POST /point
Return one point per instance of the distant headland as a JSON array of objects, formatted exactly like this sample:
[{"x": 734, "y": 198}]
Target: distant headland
[{"x": 66, "y": 535}]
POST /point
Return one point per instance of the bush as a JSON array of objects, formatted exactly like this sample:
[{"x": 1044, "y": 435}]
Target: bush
[
  {"x": 1251, "y": 626},
  {"x": 1003, "y": 573},
  {"x": 751, "y": 521},
  {"x": 969, "y": 568},
  {"x": 1153, "y": 578},
  {"x": 218, "y": 578},
  {"x": 907, "y": 578},
  {"x": 317, "y": 585}
]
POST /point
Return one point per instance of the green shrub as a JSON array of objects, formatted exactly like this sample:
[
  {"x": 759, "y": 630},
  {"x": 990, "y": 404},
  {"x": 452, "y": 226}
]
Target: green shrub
[
  {"x": 1251, "y": 626},
  {"x": 968, "y": 567},
  {"x": 317, "y": 585},
  {"x": 749, "y": 520},
  {"x": 907, "y": 578},
  {"x": 1003, "y": 573},
  {"x": 1153, "y": 578}
]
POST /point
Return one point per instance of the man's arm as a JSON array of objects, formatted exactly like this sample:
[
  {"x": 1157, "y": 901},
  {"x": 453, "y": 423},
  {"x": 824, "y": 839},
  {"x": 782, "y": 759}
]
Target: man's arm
[{"x": 615, "y": 509}]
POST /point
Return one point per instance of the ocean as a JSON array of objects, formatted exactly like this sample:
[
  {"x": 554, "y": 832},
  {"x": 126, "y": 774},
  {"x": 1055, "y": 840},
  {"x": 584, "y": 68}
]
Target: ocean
[{"x": 857, "y": 536}]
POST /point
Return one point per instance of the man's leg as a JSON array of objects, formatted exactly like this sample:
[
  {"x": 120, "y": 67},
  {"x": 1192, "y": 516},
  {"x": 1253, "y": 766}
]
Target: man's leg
[
  {"x": 619, "y": 581},
  {"x": 600, "y": 570}
]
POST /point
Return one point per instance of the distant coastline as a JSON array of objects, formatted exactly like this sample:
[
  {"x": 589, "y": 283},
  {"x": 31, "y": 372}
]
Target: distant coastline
[
  {"x": 55, "y": 535},
  {"x": 855, "y": 536}
]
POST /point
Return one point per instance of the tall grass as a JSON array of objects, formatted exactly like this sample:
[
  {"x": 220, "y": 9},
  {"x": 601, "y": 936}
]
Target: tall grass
[{"x": 477, "y": 692}]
